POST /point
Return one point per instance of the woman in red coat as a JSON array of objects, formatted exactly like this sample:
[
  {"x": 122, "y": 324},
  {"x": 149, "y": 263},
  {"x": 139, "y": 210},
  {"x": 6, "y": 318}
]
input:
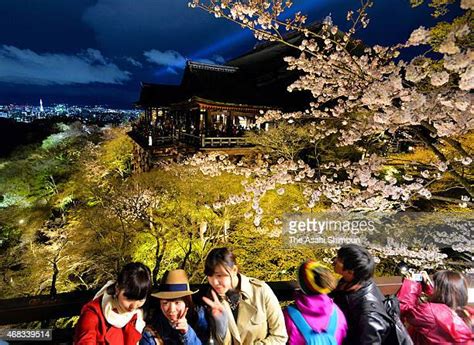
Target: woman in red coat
[
  {"x": 114, "y": 315},
  {"x": 444, "y": 318}
]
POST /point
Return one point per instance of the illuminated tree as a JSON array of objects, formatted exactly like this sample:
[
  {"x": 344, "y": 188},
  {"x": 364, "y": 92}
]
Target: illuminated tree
[
  {"x": 386, "y": 134},
  {"x": 38, "y": 240}
]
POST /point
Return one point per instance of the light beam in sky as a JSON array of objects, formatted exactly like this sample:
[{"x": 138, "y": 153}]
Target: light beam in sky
[{"x": 242, "y": 37}]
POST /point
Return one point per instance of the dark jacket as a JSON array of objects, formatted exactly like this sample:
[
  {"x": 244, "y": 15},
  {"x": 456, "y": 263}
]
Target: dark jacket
[{"x": 366, "y": 326}]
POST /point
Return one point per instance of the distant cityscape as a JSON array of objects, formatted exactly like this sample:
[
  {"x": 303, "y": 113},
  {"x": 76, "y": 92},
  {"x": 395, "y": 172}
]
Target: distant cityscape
[{"x": 86, "y": 114}]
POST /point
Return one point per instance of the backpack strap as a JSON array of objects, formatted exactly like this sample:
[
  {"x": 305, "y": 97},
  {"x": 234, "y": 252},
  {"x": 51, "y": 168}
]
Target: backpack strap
[
  {"x": 305, "y": 328},
  {"x": 300, "y": 323},
  {"x": 332, "y": 326}
]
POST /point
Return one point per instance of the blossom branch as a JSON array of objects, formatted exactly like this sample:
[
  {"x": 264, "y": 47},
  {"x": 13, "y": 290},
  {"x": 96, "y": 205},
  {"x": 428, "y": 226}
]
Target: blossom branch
[{"x": 443, "y": 159}]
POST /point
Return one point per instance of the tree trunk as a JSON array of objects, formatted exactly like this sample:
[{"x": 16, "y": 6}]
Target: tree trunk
[
  {"x": 53, "y": 291},
  {"x": 466, "y": 184},
  {"x": 188, "y": 252},
  {"x": 159, "y": 253}
]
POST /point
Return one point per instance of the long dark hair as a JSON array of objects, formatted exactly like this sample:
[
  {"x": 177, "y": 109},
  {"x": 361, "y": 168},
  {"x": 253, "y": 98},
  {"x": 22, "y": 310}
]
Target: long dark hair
[
  {"x": 134, "y": 280},
  {"x": 451, "y": 289},
  {"x": 157, "y": 320}
]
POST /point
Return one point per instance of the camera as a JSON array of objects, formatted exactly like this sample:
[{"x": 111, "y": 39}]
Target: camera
[{"x": 404, "y": 270}]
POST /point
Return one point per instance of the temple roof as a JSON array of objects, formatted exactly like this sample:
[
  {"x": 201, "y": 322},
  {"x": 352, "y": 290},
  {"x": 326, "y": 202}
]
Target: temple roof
[
  {"x": 225, "y": 84},
  {"x": 217, "y": 83},
  {"x": 257, "y": 78},
  {"x": 158, "y": 94}
]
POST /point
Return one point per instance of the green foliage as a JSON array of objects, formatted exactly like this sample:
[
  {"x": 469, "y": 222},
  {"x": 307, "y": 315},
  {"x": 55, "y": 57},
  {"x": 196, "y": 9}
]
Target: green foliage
[
  {"x": 440, "y": 6},
  {"x": 54, "y": 140},
  {"x": 9, "y": 235},
  {"x": 35, "y": 199},
  {"x": 282, "y": 140},
  {"x": 439, "y": 32},
  {"x": 117, "y": 155}
]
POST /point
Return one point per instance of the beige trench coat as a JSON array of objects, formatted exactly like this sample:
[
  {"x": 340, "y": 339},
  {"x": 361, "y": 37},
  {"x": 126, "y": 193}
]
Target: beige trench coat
[{"x": 260, "y": 318}]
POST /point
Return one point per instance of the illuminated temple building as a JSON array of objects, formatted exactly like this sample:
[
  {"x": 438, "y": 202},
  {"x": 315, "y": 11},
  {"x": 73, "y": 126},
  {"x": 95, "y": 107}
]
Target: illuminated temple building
[{"x": 216, "y": 104}]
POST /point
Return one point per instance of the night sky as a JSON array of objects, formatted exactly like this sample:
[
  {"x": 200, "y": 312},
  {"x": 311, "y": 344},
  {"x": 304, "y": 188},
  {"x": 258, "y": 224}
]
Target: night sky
[{"x": 97, "y": 51}]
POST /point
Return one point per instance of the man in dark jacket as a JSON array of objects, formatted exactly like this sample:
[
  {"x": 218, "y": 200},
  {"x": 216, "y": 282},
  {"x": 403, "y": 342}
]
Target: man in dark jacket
[{"x": 359, "y": 298}]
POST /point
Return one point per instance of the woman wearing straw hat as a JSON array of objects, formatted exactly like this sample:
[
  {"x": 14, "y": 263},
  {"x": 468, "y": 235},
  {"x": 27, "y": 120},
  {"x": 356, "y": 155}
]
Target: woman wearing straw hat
[{"x": 177, "y": 321}]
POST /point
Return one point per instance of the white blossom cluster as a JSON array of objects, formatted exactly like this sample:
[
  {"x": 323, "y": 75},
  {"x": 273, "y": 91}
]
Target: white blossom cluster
[
  {"x": 361, "y": 188},
  {"x": 134, "y": 206},
  {"x": 260, "y": 16},
  {"x": 427, "y": 258}
]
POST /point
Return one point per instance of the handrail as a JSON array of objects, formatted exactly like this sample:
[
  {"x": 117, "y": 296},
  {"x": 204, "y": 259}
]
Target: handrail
[
  {"x": 190, "y": 138},
  {"x": 35, "y": 308},
  {"x": 190, "y": 135},
  {"x": 158, "y": 140},
  {"x": 223, "y": 141},
  {"x": 184, "y": 137}
]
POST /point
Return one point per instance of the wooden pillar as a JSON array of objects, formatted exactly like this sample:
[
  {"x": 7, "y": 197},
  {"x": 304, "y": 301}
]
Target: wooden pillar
[
  {"x": 148, "y": 115},
  {"x": 141, "y": 159},
  {"x": 208, "y": 122},
  {"x": 202, "y": 126},
  {"x": 188, "y": 120},
  {"x": 202, "y": 120}
]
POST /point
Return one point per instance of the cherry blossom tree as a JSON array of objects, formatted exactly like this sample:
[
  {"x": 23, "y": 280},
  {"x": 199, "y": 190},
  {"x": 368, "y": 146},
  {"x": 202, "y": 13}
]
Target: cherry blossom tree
[{"x": 366, "y": 100}]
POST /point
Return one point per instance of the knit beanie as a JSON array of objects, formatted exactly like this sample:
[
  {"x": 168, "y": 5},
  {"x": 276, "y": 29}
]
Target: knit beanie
[{"x": 315, "y": 278}]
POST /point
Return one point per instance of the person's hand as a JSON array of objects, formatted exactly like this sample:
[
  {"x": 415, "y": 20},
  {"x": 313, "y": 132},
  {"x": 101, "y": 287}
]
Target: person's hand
[
  {"x": 217, "y": 308},
  {"x": 181, "y": 324},
  {"x": 426, "y": 278}
]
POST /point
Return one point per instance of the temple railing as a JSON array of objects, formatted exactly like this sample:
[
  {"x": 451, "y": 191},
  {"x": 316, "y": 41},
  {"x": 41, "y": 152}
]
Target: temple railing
[
  {"x": 187, "y": 138},
  {"x": 224, "y": 141},
  {"x": 190, "y": 139},
  {"x": 159, "y": 141}
]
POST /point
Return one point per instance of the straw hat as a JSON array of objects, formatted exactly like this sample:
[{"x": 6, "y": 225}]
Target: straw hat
[{"x": 175, "y": 284}]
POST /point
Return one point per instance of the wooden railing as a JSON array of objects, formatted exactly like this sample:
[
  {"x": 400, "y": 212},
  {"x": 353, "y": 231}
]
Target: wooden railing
[
  {"x": 224, "y": 141},
  {"x": 190, "y": 139},
  {"x": 157, "y": 140},
  {"x": 37, "y": 308}
]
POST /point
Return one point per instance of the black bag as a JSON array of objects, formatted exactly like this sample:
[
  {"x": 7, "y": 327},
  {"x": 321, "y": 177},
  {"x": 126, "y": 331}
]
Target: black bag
[
  {"x": 398, "y": 333},
  {"x": 392, "y": 306}
]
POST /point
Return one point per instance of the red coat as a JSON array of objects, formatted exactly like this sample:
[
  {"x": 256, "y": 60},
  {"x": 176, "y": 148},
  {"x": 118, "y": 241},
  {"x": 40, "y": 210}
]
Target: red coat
[
  {"x": 431, "y": 323},
  {"x": 92, "y": 328}
]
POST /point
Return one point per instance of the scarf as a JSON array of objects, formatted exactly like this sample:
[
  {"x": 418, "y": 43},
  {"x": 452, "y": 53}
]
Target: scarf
[{"x": 118, "y": 320}]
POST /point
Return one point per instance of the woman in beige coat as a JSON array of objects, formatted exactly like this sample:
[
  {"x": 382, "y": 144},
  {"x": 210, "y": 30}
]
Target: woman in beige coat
[{"x": 250, "y": 307}]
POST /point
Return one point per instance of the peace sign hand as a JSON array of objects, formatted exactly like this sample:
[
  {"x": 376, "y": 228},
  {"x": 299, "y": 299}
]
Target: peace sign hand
[
  {"x": 218, "y": 314},
  {"x": 217, "y": 308},
  {"x": 181, "y": 324}
]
